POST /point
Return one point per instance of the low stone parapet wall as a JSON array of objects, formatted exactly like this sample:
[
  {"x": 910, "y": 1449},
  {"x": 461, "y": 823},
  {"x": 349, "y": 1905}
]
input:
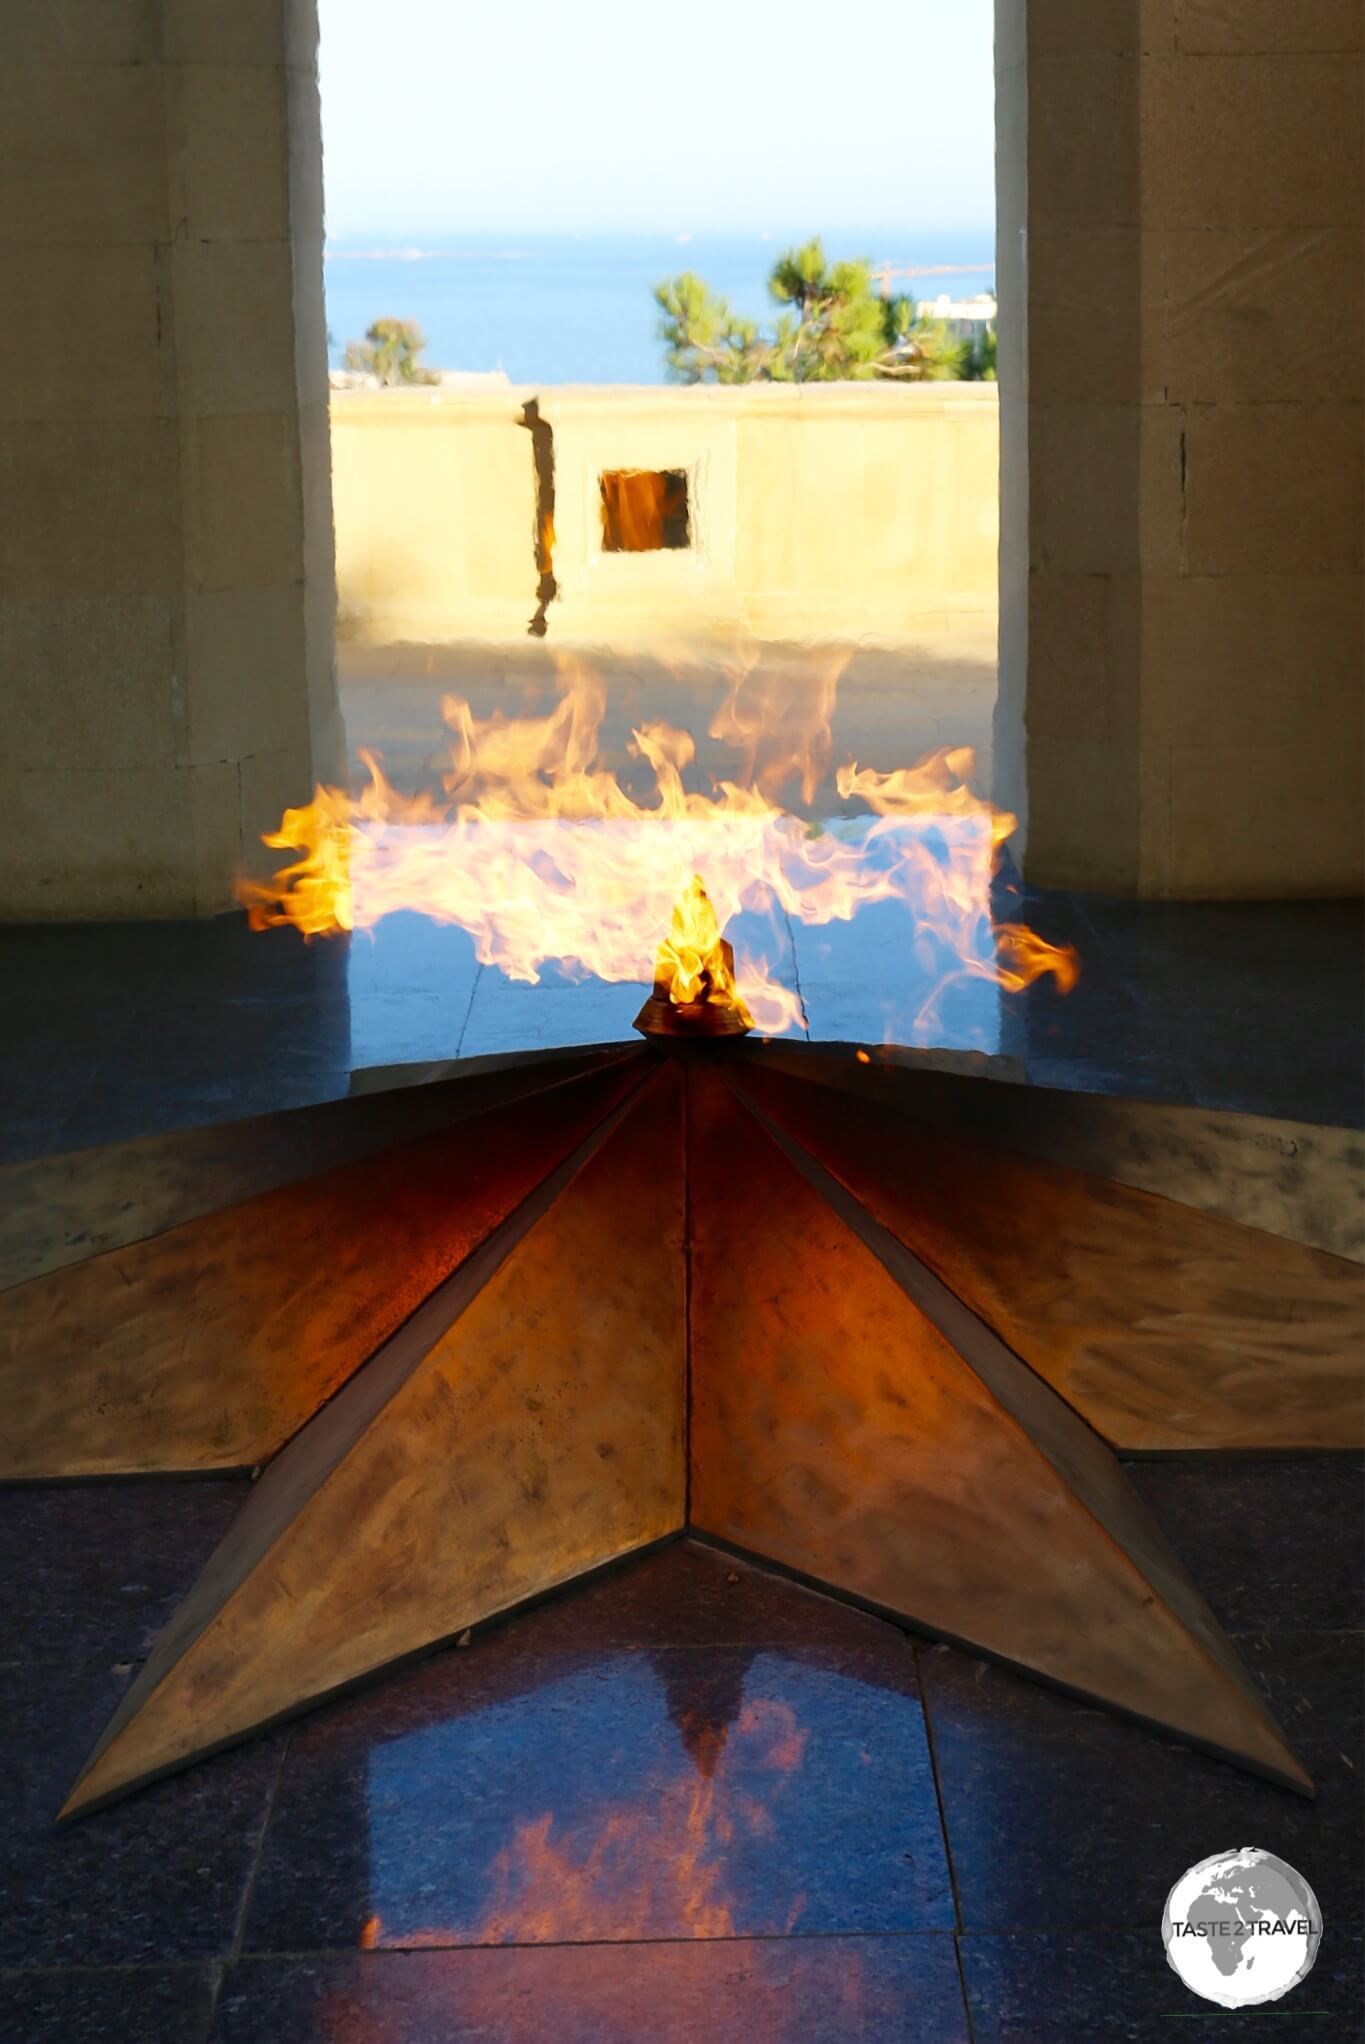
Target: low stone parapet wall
[{"x": 865, "y": 513}]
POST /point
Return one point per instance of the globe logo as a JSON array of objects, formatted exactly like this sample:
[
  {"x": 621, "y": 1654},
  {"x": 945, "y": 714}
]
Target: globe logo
[{"x": 1241, "y": 1928}]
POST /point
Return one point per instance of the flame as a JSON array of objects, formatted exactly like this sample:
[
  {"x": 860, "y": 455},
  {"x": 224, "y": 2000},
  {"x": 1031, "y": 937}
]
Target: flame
[
  {"x": 643, "y": 510},
  {"x": 696, "y": 967},
  {"x": 317, "y": 886},
  {"x": 1023, "y": 956},
  {"x": 537, "y": 848},
  {"x": 781, "y": 722},
  {"x": 655, "y": 1866},
  {"x": 545, "y": 544},
  {"x": 647, "y": 1867}
]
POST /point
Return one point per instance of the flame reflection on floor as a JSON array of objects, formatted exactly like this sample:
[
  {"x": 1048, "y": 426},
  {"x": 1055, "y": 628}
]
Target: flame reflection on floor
[
  {"x": 549, "y": 855},
  {"x": 660, "y": 1805}
]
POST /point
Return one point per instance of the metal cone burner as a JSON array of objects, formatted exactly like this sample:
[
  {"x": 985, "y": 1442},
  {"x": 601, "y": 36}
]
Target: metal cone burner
[
  {"x": 663, "y": 1016},
  {"x": 696, "y": 957}
]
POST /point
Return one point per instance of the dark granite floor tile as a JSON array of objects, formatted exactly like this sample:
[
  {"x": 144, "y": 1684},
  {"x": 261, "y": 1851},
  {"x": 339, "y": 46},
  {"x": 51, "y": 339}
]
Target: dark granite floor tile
[
  {"x": 1313, "y": 1681},
  {"x": 158, "y": 1025},
  {"x": 225, "y": 961},
  {"x": 42, "y": 1125},
  {"x": 1227, "y": 993},
  {"x": 1098, "y": 1016},
  {"x": 46, "y": 1062},
  {"x": 157, "y": 1878},
  {"x": 389, "y": 1028},
  {"x": 56, "y": 1027},
  {"x": 1059, "y": 1989},
  {"x": 1138, "y": 1077},
  {"x": 780, "y": 1991},
  {"x": 1061, "y": 1816},
  {"x": 1055, "y": 913},
  {"x": 884, "y": 976},
  {"x": 687, "y": 1595},
  {"x": 1254, "y": 1077},
  {"x": 492, "y": 1796},
  {"x": 1042, "y": 1021},
  {"x": 882, "y": 979},
  {"x": 1094, "y": 1039},
  {"x": 1236, "y": 990},
  {"x": 127, "y": 2005},
  {"x": 164, "y": 1024},
  {"x": 1059, "y": 918},
  {"x": 1274, "y": 1545},
  {"x": 1288, "y": 941},
  {"x": 410, "y": 983},
  {"x": 235, "y": 1044},
  {"x": 241, "y": 1028},
  {"x": 92, "y": 1571},
  {"x": 88, "y": 965},
  {"x": 1287, "y": 952},
  {"x": 1252, "y": 1047},
  {"x": 127, "y": 1102},
  {"x": 214, "y": 1082},
  {"x": 508, "y": 1015},
  {"x": 962, "y": 1016},
  {"x": 29, "y": 1133}
]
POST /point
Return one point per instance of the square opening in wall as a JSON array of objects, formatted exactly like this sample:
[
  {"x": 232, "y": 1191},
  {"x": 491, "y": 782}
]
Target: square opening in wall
[{"x": 644, "y": 510}]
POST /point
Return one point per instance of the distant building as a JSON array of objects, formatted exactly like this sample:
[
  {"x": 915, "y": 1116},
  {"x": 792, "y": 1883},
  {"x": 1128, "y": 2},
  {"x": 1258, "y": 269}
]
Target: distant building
[{"x": 963, "y": 317}]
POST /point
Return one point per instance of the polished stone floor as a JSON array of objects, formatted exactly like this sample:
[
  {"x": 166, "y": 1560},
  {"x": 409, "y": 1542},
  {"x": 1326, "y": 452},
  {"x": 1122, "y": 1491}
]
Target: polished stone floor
[
  {"x": 114, "y": 1030},
  {"x": 686, "y": 1802},
  {"x": 891, "y": 706}
]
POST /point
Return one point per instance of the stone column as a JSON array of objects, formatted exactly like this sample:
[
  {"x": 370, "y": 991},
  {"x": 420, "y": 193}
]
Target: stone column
[
  {"x": 1181, "y": 659},
  {"x": 166, "y": 584}
]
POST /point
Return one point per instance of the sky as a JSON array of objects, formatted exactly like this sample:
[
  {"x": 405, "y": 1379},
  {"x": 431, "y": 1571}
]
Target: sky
[{"x": 443, "y": 117}]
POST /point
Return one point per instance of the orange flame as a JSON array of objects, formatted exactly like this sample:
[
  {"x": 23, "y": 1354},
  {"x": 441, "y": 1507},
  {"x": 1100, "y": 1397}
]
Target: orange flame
[
  {"x": 538, "y": 850},
  {"x": 644, "y": 1869},
  {"x": 545, "y": 544},
  {"x": 696, "y": 967},
  {"x": 642, "y": 509}
]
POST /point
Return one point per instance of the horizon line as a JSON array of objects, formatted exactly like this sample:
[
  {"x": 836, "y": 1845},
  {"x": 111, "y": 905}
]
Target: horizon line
[{"x": 399, "y": 251}]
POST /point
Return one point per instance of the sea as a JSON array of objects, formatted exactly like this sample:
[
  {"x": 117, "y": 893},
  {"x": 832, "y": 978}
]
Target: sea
[{"x": 580, "y": 309}]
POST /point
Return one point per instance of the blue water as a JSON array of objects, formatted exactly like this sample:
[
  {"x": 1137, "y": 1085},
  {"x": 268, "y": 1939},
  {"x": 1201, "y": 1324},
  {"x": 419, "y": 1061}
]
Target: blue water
[{"x": 581, "y": 310}]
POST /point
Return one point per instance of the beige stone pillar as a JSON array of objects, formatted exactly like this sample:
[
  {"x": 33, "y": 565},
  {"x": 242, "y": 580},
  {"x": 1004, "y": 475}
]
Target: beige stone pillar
[
  {"x": 166, "y": 582},
  {"x": 1181, "y": 390}
]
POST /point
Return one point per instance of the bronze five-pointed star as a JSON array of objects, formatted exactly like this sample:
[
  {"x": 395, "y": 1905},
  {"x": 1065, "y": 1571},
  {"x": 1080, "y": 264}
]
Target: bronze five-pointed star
[{"x": 873, "y": 1324}]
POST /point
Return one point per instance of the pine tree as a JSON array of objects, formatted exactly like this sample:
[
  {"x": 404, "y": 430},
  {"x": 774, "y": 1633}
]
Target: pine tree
[
  {"x": 703, "y": 338},
  {"x": 837, "y": 329}
]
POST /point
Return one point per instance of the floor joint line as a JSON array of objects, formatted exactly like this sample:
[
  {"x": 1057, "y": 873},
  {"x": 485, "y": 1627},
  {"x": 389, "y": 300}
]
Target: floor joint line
[{"x": 234, "y": 1952}]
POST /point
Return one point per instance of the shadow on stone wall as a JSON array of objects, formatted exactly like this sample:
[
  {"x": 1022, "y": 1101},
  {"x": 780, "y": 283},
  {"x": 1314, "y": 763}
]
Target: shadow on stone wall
[{"x": 543, "y": 453}]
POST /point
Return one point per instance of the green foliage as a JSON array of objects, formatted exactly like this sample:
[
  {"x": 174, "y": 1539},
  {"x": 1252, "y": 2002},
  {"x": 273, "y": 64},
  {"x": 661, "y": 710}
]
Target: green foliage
[
  {"x": 703, "y": 338},
  {"x": 835, "y": 328},
  {"x": 978, "y": 358},
  {"x": 389, "y": 353}
]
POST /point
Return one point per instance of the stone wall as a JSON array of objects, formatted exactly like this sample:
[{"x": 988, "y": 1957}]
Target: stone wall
[
  {"x": 1181, "y": 378},
  {"x": 857, "y": 512},
  {"x": 1181, "y": 405},
  {"x": 165, "y": 523}
]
